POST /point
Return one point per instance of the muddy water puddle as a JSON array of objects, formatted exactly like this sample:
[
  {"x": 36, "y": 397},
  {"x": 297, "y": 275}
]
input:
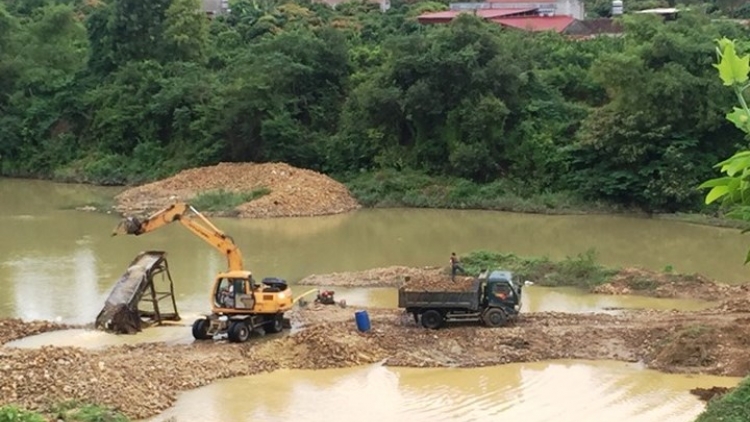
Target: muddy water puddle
[
  {"x": 95, "y": 339},
  {"x": 535, "y": 299},
  {"x": 558, "y": 391}
]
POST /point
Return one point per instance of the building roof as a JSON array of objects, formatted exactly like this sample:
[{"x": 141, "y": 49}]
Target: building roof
[
  {"x": 537, "y": 23},
  {"x": 660, "y": 11},
  {"x": 484, "y": 13}
]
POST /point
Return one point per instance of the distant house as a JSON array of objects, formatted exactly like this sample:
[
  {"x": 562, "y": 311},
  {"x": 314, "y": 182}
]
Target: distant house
[
  {"x": 220, "y": 7},
  {"x": 572, "y": 8},
  {"x": 384, "y": 4},
  {"x": 215, "y": 7},
  {"x": 561, "y": 16},
  {"x": 449, "y": 15}
]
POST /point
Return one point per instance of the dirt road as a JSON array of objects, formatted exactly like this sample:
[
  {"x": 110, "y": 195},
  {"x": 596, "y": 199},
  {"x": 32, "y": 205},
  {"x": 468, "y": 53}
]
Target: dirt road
[{"x": 142, "y": 380}]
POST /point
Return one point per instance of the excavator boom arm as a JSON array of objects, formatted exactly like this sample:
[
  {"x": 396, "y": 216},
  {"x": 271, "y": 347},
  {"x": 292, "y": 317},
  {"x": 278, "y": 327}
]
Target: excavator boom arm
[{"x": 194, "y": 221}]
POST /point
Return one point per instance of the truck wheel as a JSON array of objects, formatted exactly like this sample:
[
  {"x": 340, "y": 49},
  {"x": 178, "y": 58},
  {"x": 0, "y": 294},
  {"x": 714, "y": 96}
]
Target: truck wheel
[
  {"x": 200, "y": 329},
  {"x": 494, "y": 318},
  {"x": 274, "y": 323},
  {"x": 238, "y": 332},
  {"x": 432, "y": 320}
]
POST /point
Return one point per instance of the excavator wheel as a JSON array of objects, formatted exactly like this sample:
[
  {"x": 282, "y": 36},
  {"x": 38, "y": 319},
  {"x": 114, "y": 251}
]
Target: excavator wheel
[
  {"x": 239, "y": 332},
  {"x": 200, "y": 329},
  {"x": 275, "y": 323}
]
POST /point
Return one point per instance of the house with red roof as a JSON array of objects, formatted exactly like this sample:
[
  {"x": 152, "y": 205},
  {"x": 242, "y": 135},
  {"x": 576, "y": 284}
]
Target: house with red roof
[{"x": 561, "y": 16}]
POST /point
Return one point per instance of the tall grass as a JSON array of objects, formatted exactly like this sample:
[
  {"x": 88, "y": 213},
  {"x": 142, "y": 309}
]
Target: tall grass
[{"x": 224, "y": 201}]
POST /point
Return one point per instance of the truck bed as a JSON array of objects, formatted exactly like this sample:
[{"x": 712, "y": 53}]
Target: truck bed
[{"x": 440, "y": 299}]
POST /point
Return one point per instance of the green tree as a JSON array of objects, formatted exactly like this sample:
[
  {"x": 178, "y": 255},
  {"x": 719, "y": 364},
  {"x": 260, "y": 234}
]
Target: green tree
[
  {"x": 136, "y": 29},
  {"x": 633, "y": 150},
  {"x": 186, "y": 31}
]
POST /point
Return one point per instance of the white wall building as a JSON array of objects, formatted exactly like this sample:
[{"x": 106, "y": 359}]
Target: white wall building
[{"x": 572, "y": 8}]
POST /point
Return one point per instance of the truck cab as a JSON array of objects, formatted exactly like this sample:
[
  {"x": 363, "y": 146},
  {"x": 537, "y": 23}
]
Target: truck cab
[{"x": 501, "y": 291}]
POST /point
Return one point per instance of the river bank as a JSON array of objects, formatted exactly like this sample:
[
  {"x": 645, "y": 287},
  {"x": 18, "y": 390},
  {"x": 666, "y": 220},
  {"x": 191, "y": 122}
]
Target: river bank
[
  {"x": 253, "y": 190},
  {"x": 581, "y": 272},
  {"x": 143, "y": 379}
]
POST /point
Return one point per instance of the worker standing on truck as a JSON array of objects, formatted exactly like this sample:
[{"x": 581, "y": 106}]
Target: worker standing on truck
[{"x": 456, "y": 266}]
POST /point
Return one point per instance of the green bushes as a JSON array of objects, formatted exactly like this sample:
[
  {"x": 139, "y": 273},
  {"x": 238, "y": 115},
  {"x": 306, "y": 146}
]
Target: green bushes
[
  {"x": 580, "y": 271},
  {"x": 14, "y": 414},
  {"x": 732, "y": 407},
  {"x": 409, "y": 188},
  {"x": 71, "y": 411}
]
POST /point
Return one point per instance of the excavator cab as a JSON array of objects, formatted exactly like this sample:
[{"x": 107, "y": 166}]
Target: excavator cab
[{"x": 238, "y": 292}]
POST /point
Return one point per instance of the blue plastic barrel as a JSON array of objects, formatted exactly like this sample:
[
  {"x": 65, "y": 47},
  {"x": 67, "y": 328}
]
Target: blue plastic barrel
[{"x": 363, "y": 320}]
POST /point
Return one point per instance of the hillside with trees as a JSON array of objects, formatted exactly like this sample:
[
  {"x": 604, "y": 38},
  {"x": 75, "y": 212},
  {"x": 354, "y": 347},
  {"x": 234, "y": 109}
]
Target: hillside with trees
[{"x": 127, "y": 92}]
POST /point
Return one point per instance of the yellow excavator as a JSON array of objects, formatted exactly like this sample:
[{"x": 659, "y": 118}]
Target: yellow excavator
[{"x": 239, "y": 305}]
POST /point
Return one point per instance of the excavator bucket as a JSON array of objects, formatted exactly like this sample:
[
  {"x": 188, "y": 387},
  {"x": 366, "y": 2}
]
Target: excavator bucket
[{"x": 129, "y": 225}]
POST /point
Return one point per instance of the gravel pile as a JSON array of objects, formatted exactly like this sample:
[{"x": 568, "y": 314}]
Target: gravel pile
[
  {"x": 13, "y": 329},
  {"x": 643, "y": 282},
  {"x": 293, "y": 191}
]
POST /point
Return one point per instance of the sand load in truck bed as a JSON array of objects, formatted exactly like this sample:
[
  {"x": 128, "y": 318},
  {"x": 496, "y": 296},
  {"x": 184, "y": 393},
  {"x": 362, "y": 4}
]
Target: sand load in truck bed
[
  {"x": 121, "y": 313},
  {"x": 437, "y": 282}
]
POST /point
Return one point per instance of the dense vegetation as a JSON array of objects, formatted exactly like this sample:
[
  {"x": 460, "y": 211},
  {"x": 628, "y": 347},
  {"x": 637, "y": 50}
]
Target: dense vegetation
[
  {"x": 732, "y": 189},
  {"x": 732, "y": 407},
  {"x": 124, "y": 92}
]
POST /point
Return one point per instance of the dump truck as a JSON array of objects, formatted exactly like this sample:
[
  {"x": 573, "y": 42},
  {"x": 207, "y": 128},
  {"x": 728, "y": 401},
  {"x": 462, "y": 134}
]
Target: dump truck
[{"x": 493, "y": 299}]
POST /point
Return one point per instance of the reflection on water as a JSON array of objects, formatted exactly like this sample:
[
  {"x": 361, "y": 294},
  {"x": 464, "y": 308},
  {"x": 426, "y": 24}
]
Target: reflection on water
[
  {"x": 564, "y": 299},
  {"x": 43, "y": 287},
  {"x": 557, "y": 391}
]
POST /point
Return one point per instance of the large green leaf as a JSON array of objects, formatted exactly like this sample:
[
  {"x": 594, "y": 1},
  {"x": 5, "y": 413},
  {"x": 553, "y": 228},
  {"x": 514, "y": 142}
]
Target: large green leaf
[
  {"x": 733, "y": 69},
  {"x": 740, "y": 118},
  {"x": 721, "y": 181},
  {"x": 716, "y": 193}
]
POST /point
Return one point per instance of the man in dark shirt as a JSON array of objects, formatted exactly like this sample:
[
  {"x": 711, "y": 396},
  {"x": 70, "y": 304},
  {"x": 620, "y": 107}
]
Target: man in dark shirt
[{"x": 455, "y": 266}]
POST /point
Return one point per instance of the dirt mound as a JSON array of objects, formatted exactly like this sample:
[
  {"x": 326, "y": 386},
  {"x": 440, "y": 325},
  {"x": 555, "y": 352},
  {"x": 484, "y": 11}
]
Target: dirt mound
[
  {"x": 707, "y": 394},
  {"x": 378, "y": 277},
  {"x": 293, "y": 191},
  {"x": 703, "y": 345},
  {"x": 644, "y": 282},
  {"x": 735, "y": 305}
]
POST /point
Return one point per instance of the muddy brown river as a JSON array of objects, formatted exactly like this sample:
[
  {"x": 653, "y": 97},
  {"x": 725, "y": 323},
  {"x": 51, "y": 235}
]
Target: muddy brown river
[
  {"x": 57, "y": 263},
  {"x": 560, "y": 391}
]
